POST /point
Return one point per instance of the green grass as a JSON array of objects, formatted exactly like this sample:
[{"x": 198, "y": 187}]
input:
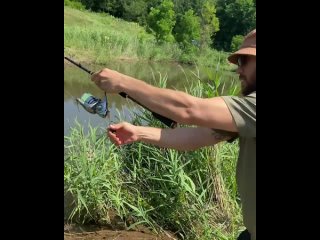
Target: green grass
[
  {"x": 99, "y": 38},
  {"x": 192, "y": 194}
]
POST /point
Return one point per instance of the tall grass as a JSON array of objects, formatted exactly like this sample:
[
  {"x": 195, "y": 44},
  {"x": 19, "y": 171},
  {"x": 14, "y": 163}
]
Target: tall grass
[
  {"x": 192, "y": 194},
  {"x": 99, "y": 38}
]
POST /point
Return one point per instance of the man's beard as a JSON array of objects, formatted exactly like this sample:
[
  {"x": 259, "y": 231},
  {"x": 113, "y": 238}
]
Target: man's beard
[{"x": 247, "y": 87}]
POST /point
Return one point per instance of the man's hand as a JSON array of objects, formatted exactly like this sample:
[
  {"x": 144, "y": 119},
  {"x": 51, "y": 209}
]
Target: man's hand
[
  {"x": 108, "y": 80},
  {"x": 184, "y": 139},
  {"x": 122, "y": 133}
]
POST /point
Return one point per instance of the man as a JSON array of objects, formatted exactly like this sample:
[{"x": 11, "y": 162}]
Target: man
[{"x": 217, "y": 119}]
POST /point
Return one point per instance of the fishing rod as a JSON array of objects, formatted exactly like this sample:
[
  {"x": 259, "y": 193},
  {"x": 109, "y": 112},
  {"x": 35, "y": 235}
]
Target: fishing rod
[
  {"x": 79, "y": 65},
  {"x": 168, "y": 122}
]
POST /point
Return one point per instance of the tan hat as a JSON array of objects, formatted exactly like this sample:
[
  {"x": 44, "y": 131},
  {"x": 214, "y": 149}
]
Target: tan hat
[{"x": 248, "y": 47}]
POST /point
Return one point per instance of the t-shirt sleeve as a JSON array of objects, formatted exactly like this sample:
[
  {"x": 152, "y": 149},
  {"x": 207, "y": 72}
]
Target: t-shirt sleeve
[{"x": 243, "y": 111}]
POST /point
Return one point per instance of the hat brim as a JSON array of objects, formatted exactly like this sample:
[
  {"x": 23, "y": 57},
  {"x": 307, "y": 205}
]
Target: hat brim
[{"x": 233, "y": 58}]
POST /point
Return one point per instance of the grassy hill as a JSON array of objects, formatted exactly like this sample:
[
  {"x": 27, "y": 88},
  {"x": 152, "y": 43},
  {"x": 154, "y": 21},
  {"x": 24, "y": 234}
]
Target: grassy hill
[{"x": 99, "y": 37}]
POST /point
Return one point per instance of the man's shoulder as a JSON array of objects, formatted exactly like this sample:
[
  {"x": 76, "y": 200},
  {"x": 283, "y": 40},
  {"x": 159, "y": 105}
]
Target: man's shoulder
[
  {"x": 252, "y": 95},
  {"x": 243, "y": 111}
]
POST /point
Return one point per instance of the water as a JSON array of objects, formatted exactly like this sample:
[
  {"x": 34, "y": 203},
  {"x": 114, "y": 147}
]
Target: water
[{"x": 77, "y": 82}]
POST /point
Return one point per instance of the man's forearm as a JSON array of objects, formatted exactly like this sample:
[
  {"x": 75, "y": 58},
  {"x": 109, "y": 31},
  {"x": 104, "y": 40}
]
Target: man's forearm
[
  {"x": 172, "y": 104},
  {"x": 184, "y": 139},
  {"x": 179, "y": 106}
]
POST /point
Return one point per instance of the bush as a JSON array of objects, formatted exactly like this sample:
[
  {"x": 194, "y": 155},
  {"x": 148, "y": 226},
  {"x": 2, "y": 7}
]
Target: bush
[
  {"x": 74, "y": 4},
  {"x": 236, "y": 42}
]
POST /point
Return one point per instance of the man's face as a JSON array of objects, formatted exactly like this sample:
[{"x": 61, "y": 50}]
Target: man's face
[{"x": 247, "y": 73}]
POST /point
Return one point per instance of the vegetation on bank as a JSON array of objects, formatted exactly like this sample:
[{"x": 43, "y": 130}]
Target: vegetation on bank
[
  {"x": 192, "y": 194},
  {"x": 191, "y": 23},
  {"x": 99, "y": 38}
]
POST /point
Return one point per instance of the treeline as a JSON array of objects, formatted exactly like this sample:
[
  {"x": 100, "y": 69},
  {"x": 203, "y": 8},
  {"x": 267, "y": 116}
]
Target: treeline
[{"x": 194, "y": 24}]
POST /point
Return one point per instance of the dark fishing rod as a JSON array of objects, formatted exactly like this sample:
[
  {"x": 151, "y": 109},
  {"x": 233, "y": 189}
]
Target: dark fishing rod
[
  {"x": 168, "y": 122},
  {"x": 79, "y": 65}
]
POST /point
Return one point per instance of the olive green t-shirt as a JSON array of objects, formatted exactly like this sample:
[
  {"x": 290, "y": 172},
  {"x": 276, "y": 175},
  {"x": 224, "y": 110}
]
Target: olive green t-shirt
[{"x": 243, "y": 110}]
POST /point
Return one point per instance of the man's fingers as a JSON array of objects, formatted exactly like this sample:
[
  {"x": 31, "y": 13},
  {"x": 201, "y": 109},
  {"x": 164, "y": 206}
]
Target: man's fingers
[
  {"x": 95, "y": 76},
  {"x": 114, "y": 138},
  {"x": 115, "y": 127}
]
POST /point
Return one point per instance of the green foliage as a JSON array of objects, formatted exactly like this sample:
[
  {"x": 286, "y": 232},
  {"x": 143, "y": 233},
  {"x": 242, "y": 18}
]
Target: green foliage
[
  {"x": 100, "y": 37},
  {"x": 236, "y": 42},
  {"x": 76, "y": 4},
  {"x": 220, "y": 19},
  {"x": 187, "y": 30},
  {"x": 161, "y": 21},
  {"x": 113, "y": 7},
  {"x": 209, "y": 23},
  {"x": 237, "y": 17},
  {"x": 135, "y": 11},
  {"x": 181, "y": 6}
]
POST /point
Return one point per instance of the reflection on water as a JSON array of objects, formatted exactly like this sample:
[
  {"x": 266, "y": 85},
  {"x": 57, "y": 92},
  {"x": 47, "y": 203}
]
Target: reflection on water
[{"x": 77, "y": 82}]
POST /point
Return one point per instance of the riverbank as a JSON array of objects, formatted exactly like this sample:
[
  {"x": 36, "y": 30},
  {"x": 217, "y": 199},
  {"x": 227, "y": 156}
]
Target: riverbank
[{"x": 98, "y": 38}]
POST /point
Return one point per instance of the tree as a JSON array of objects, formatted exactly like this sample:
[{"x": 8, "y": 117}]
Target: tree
[
  {"x": 161, "y": 21},
  {"x": 182, "y": 6},
  {"x": 187, "y": 29},
  {"x": 113, "y": 7},
  {"x": 237, "y": 17},
  {"x": 209, "y": 23},
  {"x": 135, "y": 11},
  {"x": 236, "y": 42}
]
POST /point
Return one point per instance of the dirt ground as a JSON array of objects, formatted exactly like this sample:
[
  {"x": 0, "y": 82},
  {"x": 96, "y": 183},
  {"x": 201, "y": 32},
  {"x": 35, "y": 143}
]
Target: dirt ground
[
  {"x": 73, "y": 232},
  {"x": 114, "y": 231}
]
